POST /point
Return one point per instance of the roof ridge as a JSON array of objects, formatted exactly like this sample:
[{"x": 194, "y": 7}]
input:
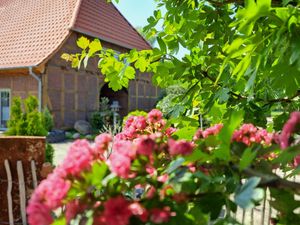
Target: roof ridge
[{"x": 75, "y": 14}]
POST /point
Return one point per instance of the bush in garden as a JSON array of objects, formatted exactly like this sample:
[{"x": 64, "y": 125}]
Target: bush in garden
[
  {"x": 148, "y": 174},
  {"x": 47, "y": 119},
  {"x": 96, "y": 120},
  {"x": 28, "y": 122},
  {"x": 49, "y": 153},
  {"x": 103, "y": 116}
]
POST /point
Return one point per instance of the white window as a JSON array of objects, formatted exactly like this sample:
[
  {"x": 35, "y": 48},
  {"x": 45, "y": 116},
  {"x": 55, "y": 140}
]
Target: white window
[{"x": 4, "y": 107}]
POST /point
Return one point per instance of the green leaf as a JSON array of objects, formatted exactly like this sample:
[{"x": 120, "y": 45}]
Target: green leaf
[
  {"x": 226, "y": 133},
  {"x": 186, "y": 133},
  {"x": 247, "y": 158},
  {"x": 83, "y": 43},
  {"x": 248, "y": 194},
  {"x": 94, "y": 46},
  {"x": 175, "y": 165},
  {"x": 60, "y": 221}
]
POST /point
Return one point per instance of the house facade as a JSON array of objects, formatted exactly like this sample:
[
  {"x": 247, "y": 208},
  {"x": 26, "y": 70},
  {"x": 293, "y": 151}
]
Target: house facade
[{"x": 34, "y": 35}]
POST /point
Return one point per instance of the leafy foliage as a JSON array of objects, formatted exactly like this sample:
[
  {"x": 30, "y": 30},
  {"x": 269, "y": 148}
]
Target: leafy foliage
[
  {"x": 240, "y": 55},
  {"x": 28, "y": 122},
  {"x": 49, "y": 153},
  {"x": 145, "y": 175},
  {"x": 48, "y": 119}
]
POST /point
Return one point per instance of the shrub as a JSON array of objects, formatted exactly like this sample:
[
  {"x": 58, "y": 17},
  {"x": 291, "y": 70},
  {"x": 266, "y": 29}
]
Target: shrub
[
  {"x": 152, "y": 175},
  {"x": 96, "y": 120},
  {"x": 28, "y": 122},
  {"x": 49, "y": 153},
  {"x": 47, "y": 120}
]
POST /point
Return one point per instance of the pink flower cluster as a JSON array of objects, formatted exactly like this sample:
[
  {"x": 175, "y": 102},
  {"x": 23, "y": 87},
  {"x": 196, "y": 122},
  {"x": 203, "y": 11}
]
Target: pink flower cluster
[
  {"x": 118, "y": 211},
  {"x": 49, "y": 195},
  {"x": 249, "y": 134},
  {"x": 287, "y": 131},
  {"x": 180, "y": 147},
  {"x": 214, "y": 130},
  {"x": 138, "y": 125}
]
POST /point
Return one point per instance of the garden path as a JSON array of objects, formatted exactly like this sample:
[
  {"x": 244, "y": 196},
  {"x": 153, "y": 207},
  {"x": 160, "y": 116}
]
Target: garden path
[{"x": 60, "y": 151}]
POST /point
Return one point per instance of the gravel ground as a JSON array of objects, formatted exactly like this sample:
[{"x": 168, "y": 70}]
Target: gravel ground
[{"x": 60, "y": 151}]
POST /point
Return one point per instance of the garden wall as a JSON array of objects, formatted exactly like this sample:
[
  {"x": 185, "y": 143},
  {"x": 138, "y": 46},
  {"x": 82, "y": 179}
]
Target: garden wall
[{"x": 21, "y": 155}]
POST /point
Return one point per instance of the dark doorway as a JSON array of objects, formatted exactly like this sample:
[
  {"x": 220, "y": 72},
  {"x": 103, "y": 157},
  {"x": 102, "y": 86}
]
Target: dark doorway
[{"x": 120, "y": 96}]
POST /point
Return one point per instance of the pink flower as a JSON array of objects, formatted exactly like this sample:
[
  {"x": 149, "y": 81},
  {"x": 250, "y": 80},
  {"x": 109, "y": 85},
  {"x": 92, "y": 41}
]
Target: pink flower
[
  {"x": 101, "y": 142},
  {"x": 51, "y": 191},
  {"x": 170, "y": 131},
  {"x": 79, "y": 158},
  {"x": 125, "y": 148},
  {"x": 180, "y": 147},
  {"x": 297, "y": 161},
  {"x": 117, "y": 211},
  {"x": 150, "y": 170},
  {"x": 138, "y": 210},
  {"x": 145, "y": 145},
  {"x": 163, "y": 178},
  {"x": 120, "y": 165},
  {"x": 214, "y": 130},
  {"x": 72, "y": 209},
  {"x": 249, "y": 134},
  {"x": 155, "y": 116},
  {"x": 139, "y": 123},
  {"x": 38, "y": 214},
  {"x": 151, "y": 192},
  {"x": 160, "y": 215},
  {"x": 288, "y": 129},
  {"x": 47, "y": 197}
]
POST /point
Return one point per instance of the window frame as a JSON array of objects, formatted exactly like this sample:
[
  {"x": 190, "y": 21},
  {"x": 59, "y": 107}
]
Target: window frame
[{"x": 9, "y": 105}]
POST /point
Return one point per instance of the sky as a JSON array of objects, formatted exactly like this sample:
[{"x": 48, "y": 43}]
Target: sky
[{"x": 136, "y": 11}]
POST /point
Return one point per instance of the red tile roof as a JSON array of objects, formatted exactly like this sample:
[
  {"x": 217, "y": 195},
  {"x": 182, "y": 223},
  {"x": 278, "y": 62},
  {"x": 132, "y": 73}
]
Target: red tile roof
[
  {"x": 32, "y": 30},
  {"x": 99, "y": 19}
]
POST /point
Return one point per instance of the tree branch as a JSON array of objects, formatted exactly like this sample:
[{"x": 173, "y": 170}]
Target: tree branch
[{"x": 272, "y": 180}]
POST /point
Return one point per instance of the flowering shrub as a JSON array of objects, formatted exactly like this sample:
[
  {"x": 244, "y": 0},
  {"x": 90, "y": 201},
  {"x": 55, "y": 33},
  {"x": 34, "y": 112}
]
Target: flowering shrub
[{"x": 147, "y": 174}]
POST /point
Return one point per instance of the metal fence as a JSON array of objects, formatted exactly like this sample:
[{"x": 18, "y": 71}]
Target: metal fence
[{"x": 262, "y": 214}]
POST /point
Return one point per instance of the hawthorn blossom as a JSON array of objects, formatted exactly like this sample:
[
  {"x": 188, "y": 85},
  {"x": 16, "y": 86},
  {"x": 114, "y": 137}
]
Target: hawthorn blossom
[
  {"x": 154, "y": 116},
  {"x": 125, "y": 148},
  {"x": 72, "y": 209},
  {"x": 145, "y": 145},
  {"x": 79, "y": 158},
  {"x": 180, "y": 147},
  {"x": 138, "y": 210},
  {"x": 47, "y": 197},
  {"x": 159, "y": 216},
  {"x": 120, "y": 165},
  {"x": 102, "y": 142},
  {"x": 288, "y": 129},
  {"x": 170, "y": 131},
  {"x": 38, "y": 213},
  {"x": 249, "y": 134},
  {"x": 214, "y": 130},
  {"x": 116, "y": 211}
]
